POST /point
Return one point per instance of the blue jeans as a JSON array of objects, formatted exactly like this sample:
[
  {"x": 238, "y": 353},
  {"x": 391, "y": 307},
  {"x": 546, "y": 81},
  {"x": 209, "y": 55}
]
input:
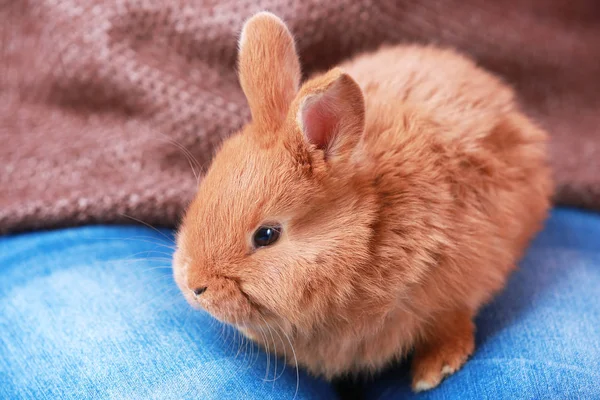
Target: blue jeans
[{"x": 93, "y": 312}]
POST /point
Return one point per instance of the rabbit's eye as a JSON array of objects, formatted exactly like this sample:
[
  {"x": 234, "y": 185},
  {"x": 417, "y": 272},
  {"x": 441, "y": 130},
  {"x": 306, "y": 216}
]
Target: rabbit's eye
[{"x": 266, "y": 235}]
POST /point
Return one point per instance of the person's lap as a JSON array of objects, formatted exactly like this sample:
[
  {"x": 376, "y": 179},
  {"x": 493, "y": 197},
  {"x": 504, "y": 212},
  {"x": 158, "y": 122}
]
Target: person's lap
[
  {"x": 93, "y": 312},
  {"x": 540, "y": 338}
]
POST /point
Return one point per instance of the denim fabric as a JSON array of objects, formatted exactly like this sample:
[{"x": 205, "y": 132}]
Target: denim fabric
[
  {"x": 540, "y": 339},
  {"x": 93, "y": 313}
]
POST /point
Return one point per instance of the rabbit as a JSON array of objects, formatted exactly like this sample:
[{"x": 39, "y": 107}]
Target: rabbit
[{"x": 366, "y": 214}]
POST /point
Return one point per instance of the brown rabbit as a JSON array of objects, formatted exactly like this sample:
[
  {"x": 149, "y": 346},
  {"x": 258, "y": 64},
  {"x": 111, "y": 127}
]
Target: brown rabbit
[{"x": 370, "y": 212}]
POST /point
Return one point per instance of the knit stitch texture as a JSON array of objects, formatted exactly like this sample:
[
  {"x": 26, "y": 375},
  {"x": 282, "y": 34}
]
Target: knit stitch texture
[{"x": 103, "y": 103}]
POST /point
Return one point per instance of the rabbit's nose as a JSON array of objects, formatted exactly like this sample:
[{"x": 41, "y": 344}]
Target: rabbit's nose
[{"x": 200, "y": 290}]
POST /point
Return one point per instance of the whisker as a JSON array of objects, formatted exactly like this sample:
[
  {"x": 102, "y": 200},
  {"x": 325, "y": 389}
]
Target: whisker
[
  {"x": 270, "y": 331},
  {"x": 148, "y": 225},
  {"x": 185, "y": 150},
  {"x": 159, "y": 268},
  {"x": 248, "y": 355},
  {"x": 134, "y": 258},
  {"x": 266, "y": 342},
  {"x": 234, "y": 340},
  {"x": 126, "y": 263},
  {"x": 222, "y": 333},
  {"x": 255, "y": 351},
  {"x": 239, "y": 340},
  {"x": 284, "y": 355},
  {"x": 190, "y": 158},
  {"x": 295, "y": 360},
  {"x": 187, "y": 153},
  {"x": 146, "y": 239}
]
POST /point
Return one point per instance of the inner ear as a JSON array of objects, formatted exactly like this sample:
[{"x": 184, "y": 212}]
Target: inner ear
[
  {"x": 320, "y": 119},
  {"x": 331, "y": 112}
]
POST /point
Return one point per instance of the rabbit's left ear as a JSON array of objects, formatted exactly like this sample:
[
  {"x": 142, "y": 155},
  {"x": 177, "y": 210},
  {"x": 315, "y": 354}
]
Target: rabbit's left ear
[
  {"x": 269, "y": 69},
  {"x": 331, "y": 113}
]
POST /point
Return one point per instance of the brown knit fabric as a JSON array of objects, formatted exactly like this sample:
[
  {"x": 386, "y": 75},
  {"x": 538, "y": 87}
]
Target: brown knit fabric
[{"x": 99, "y": 98}]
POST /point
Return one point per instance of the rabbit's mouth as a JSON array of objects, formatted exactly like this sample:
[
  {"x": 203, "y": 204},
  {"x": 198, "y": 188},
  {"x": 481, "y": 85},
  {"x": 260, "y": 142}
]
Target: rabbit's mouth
[
  {"x": 223, "y": 299},
  {"x": 218, "y": 295}
]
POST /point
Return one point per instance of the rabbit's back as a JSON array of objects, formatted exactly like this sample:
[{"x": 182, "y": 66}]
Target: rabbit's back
[{"x": 440, "y": 83}]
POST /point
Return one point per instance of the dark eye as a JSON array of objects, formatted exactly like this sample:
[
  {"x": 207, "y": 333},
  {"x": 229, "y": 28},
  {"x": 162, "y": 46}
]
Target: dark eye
[{"x": 266, "y": 235}]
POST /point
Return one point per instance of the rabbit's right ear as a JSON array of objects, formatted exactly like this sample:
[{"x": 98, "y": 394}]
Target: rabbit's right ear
[{"x": 269, "y": 69}]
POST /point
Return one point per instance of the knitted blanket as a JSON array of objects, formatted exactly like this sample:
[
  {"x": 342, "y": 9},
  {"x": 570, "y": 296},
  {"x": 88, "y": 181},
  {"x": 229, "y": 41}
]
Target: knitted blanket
[{"x": 110, "y": 108}]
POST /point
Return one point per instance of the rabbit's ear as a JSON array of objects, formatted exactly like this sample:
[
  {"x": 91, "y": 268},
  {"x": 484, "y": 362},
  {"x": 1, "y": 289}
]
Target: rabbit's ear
[
  {"x": 269, "y": 69},
  {"x": 331, "y": 113}
]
